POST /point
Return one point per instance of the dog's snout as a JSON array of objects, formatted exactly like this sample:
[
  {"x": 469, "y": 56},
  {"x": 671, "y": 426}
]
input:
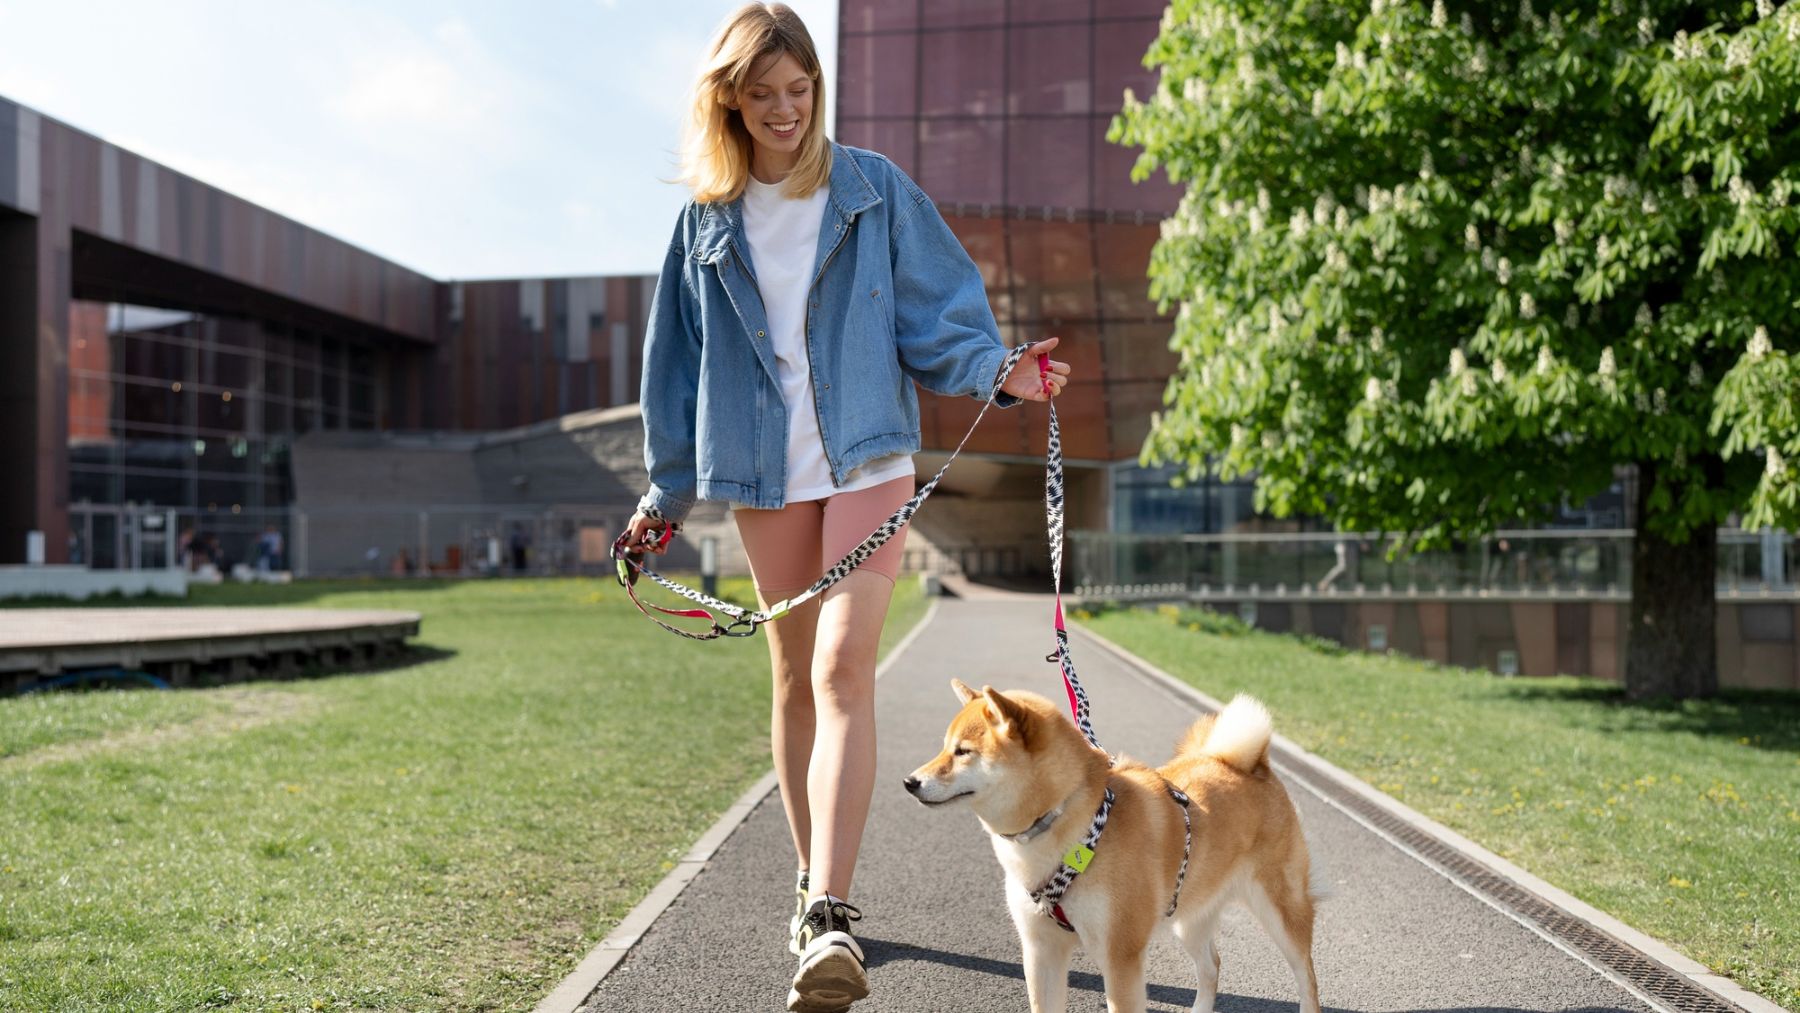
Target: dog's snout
[{"x": 912, "y": 784}]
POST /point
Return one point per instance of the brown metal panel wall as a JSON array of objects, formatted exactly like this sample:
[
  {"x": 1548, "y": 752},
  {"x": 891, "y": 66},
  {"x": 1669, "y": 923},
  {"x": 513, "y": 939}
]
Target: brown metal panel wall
[
  {"x": 511, "y": 373},
  {"x": 1606, "y": 646},
  {"x": 49, "y": 470},
  {"x": 1534, "y": 633},
  {"x": 1434, "y": 630},
  {"x": 1406, "y": 636},
  {"x": 1573, "y": 626},
  {"x": 103, "y": 190}
]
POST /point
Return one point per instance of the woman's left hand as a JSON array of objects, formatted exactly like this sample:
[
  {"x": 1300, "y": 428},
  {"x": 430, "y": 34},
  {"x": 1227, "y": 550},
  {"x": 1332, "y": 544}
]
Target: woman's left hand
[{"x": 1024, "y": 383}]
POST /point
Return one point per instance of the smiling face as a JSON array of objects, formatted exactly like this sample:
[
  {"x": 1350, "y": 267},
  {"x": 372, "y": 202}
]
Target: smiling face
[{"x": 776, "y": 105}]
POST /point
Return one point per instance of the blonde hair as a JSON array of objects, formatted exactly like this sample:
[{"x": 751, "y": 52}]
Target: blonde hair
[{"x": 715, "y": 145}]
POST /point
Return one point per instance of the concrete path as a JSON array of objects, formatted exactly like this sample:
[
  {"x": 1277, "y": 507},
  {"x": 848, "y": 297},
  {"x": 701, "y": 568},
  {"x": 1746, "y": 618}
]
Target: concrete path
[{"x": 1397, "y": 935}]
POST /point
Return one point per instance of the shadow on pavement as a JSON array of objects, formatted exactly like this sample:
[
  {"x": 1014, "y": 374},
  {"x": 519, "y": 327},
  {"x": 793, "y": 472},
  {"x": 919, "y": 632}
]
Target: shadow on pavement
[{"x": 881, "y": 952}]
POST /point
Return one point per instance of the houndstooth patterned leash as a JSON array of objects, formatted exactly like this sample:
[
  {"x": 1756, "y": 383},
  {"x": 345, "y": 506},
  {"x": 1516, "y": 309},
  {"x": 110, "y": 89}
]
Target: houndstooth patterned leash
[
  {"x": 1053, "y": 512},
  {"x": 745, "y": 621}
]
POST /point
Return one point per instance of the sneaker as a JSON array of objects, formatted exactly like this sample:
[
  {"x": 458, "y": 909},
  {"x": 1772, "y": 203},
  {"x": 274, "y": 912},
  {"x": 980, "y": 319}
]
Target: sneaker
[
  {"x": 831, "y": 974},
  {"x": 799, "y": 915}
]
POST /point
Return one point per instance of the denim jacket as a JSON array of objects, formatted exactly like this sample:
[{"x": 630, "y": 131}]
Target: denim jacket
[{"x": 894, "y": 299}]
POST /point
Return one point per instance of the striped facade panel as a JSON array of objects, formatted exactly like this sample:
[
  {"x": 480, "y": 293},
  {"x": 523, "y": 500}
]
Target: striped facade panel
[
  {"x": 549, "y": 345},
  {"x": 117, "y": 195}
]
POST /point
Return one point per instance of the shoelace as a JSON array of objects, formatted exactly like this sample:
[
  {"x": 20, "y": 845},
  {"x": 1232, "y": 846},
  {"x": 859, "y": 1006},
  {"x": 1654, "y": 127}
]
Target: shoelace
[{"x": 833, "y": 916}]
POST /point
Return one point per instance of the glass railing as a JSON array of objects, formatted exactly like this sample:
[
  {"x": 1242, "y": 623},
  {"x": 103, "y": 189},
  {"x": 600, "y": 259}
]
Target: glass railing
[{"x": 1507, "y": 563}]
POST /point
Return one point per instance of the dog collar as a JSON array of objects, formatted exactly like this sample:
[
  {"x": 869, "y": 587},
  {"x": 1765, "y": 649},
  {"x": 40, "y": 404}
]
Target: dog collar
[
  {"x": 1074, "y": 862},
  {"x": 1042, "y": 824}
]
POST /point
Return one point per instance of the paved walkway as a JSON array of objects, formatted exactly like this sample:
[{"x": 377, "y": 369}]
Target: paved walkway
[{"x": 1395, "y": 936}]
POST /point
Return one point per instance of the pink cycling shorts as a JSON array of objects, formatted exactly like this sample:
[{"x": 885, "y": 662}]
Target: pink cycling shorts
[{"x": 790, "y": 548}]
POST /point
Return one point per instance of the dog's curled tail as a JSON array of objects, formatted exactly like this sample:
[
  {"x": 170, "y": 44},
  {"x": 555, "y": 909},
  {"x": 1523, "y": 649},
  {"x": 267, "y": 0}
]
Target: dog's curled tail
[{"x": 1237, "y": 735}]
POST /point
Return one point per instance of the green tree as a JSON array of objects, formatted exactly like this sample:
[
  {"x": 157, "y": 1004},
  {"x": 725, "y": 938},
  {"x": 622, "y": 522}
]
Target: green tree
[{"x": 1440, "y": 266}]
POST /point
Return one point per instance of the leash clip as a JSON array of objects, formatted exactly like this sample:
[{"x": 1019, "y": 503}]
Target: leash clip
[{"x": 730, "y": 631}]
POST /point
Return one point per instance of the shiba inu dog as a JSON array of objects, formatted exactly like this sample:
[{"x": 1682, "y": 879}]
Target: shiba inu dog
[{"x": 1039, "y": 788}]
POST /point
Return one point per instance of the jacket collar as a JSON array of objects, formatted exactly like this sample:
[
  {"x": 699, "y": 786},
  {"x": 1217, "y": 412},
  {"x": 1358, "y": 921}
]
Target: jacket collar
[{"x": 851, "y": 193}]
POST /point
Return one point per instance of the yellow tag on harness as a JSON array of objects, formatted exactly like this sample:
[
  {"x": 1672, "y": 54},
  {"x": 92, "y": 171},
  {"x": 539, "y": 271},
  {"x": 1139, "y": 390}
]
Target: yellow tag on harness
[{"x": 1078, "y": 857}]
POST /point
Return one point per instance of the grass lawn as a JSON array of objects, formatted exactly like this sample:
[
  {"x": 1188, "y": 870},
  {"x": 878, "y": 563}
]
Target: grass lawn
[
  {"x": 454, "y": 833},
  {"x": 1682, "y": 820}
]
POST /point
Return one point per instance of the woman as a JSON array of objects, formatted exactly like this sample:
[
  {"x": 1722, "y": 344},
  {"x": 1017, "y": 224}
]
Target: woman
[{"x": 805, "y": 290}]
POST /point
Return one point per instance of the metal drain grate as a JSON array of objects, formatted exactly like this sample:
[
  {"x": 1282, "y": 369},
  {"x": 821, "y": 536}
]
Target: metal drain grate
[{"x": 1653, "y": 979}]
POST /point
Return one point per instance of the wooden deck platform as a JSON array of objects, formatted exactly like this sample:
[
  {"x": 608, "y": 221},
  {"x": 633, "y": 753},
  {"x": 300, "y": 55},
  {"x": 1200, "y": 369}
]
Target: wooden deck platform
[{"x": 186, "y": 646}]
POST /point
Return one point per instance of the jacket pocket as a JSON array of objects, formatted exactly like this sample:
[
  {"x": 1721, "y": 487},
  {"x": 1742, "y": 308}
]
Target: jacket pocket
[{"x": 884, "y": 310}]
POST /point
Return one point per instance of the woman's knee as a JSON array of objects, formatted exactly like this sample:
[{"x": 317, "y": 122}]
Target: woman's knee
[{"x": 842, "y": 683}]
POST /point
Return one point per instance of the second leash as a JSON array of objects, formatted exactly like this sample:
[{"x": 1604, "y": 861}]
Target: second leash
[{"x": 745, "y": 621}]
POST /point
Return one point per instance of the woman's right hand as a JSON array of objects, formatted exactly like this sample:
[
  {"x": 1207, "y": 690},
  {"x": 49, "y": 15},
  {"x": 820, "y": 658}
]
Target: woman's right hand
[{"x": 644, "y": 534}]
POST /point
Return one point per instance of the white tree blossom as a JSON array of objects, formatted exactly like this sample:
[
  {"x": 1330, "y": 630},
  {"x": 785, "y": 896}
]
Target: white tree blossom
[{"x": 1760, "y": 347}]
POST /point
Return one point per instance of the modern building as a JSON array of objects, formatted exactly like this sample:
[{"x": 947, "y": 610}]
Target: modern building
[
  {"x": 164, "y": 342},
  {"x": 1000, "y": 111}
]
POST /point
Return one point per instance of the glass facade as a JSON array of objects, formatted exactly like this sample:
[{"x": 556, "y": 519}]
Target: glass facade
[
  {"x": 1000, "y": 110},
  {"x": 196, "y": 413}
]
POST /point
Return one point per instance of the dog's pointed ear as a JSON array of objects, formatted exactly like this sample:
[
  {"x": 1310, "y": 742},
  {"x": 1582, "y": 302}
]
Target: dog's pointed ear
[
  {"x": 1003, "y": 713},
  {"x": 963, "y": 693}
]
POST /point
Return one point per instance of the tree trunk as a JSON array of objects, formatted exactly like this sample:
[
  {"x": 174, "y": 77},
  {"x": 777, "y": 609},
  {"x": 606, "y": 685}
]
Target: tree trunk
[{"x": 1672, "y": 650}]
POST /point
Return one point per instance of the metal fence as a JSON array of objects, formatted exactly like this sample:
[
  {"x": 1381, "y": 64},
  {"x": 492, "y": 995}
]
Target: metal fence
[{"x": 1526, "y": 563}]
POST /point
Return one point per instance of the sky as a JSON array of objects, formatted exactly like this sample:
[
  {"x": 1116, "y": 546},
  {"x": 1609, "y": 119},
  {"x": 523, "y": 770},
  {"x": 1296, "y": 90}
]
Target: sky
[{"x": 463, "y": 140}]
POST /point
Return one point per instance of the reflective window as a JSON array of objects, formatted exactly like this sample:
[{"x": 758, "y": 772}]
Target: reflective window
[
  {"x": 959, "y": 160},
  {"x": 876, "y": 15},
  {"x": 1049, "y": 69},
  {"x": 195, "y": 413},
  {"x": 959, "y": 13},
  {"x": 879, "y": 75},
  {"x": 1047, "y": 163},
  {"x": 1052, "y": 270},
  {"x": 961, "y": 73}
]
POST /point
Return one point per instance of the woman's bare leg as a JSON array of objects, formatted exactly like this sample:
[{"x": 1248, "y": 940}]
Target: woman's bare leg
[
  {"x": 791, "y": 719},
  {"x": 841, "y": 779}
]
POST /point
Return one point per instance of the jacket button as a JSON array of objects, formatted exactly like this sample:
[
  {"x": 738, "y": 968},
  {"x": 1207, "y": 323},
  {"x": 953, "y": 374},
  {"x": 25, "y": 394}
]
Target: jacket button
[
  {"x": 759, "y": 334},
  {"x": 828, "y": 386}
]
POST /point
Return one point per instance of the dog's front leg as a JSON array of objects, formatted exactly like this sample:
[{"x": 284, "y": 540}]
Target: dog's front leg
[
  {"x": 1048, "y": 950},
  {"x": 1122, "y": 964}
]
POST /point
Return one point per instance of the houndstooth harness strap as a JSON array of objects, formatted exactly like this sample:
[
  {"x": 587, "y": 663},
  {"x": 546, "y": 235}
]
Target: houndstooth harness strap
[
  {"x": 745, "y": 621},
  {"x": 1075, "y": 861}
]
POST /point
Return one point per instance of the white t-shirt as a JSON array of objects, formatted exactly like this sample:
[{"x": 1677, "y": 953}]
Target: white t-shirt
[{"x": 784, "y": 240}]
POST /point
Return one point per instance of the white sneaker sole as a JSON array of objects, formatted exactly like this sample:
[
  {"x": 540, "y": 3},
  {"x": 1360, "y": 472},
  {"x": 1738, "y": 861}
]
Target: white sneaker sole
[
  {"x": 794, "y": 935},
  {"x": 831, "y": 978}
]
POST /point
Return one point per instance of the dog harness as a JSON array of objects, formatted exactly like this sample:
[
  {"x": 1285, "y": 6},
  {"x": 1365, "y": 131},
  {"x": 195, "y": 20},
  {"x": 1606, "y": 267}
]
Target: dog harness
[
  {"x": 1075, "y": 861},
  {"x": 1048, "y": 897}
]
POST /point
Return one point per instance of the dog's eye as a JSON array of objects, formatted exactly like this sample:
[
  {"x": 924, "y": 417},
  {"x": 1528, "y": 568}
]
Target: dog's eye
[{"x": 960, "y": 751}]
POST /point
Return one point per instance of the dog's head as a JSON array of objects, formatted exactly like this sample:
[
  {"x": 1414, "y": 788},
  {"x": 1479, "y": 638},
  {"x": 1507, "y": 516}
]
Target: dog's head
[{"x": 1002, "y": 751}]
